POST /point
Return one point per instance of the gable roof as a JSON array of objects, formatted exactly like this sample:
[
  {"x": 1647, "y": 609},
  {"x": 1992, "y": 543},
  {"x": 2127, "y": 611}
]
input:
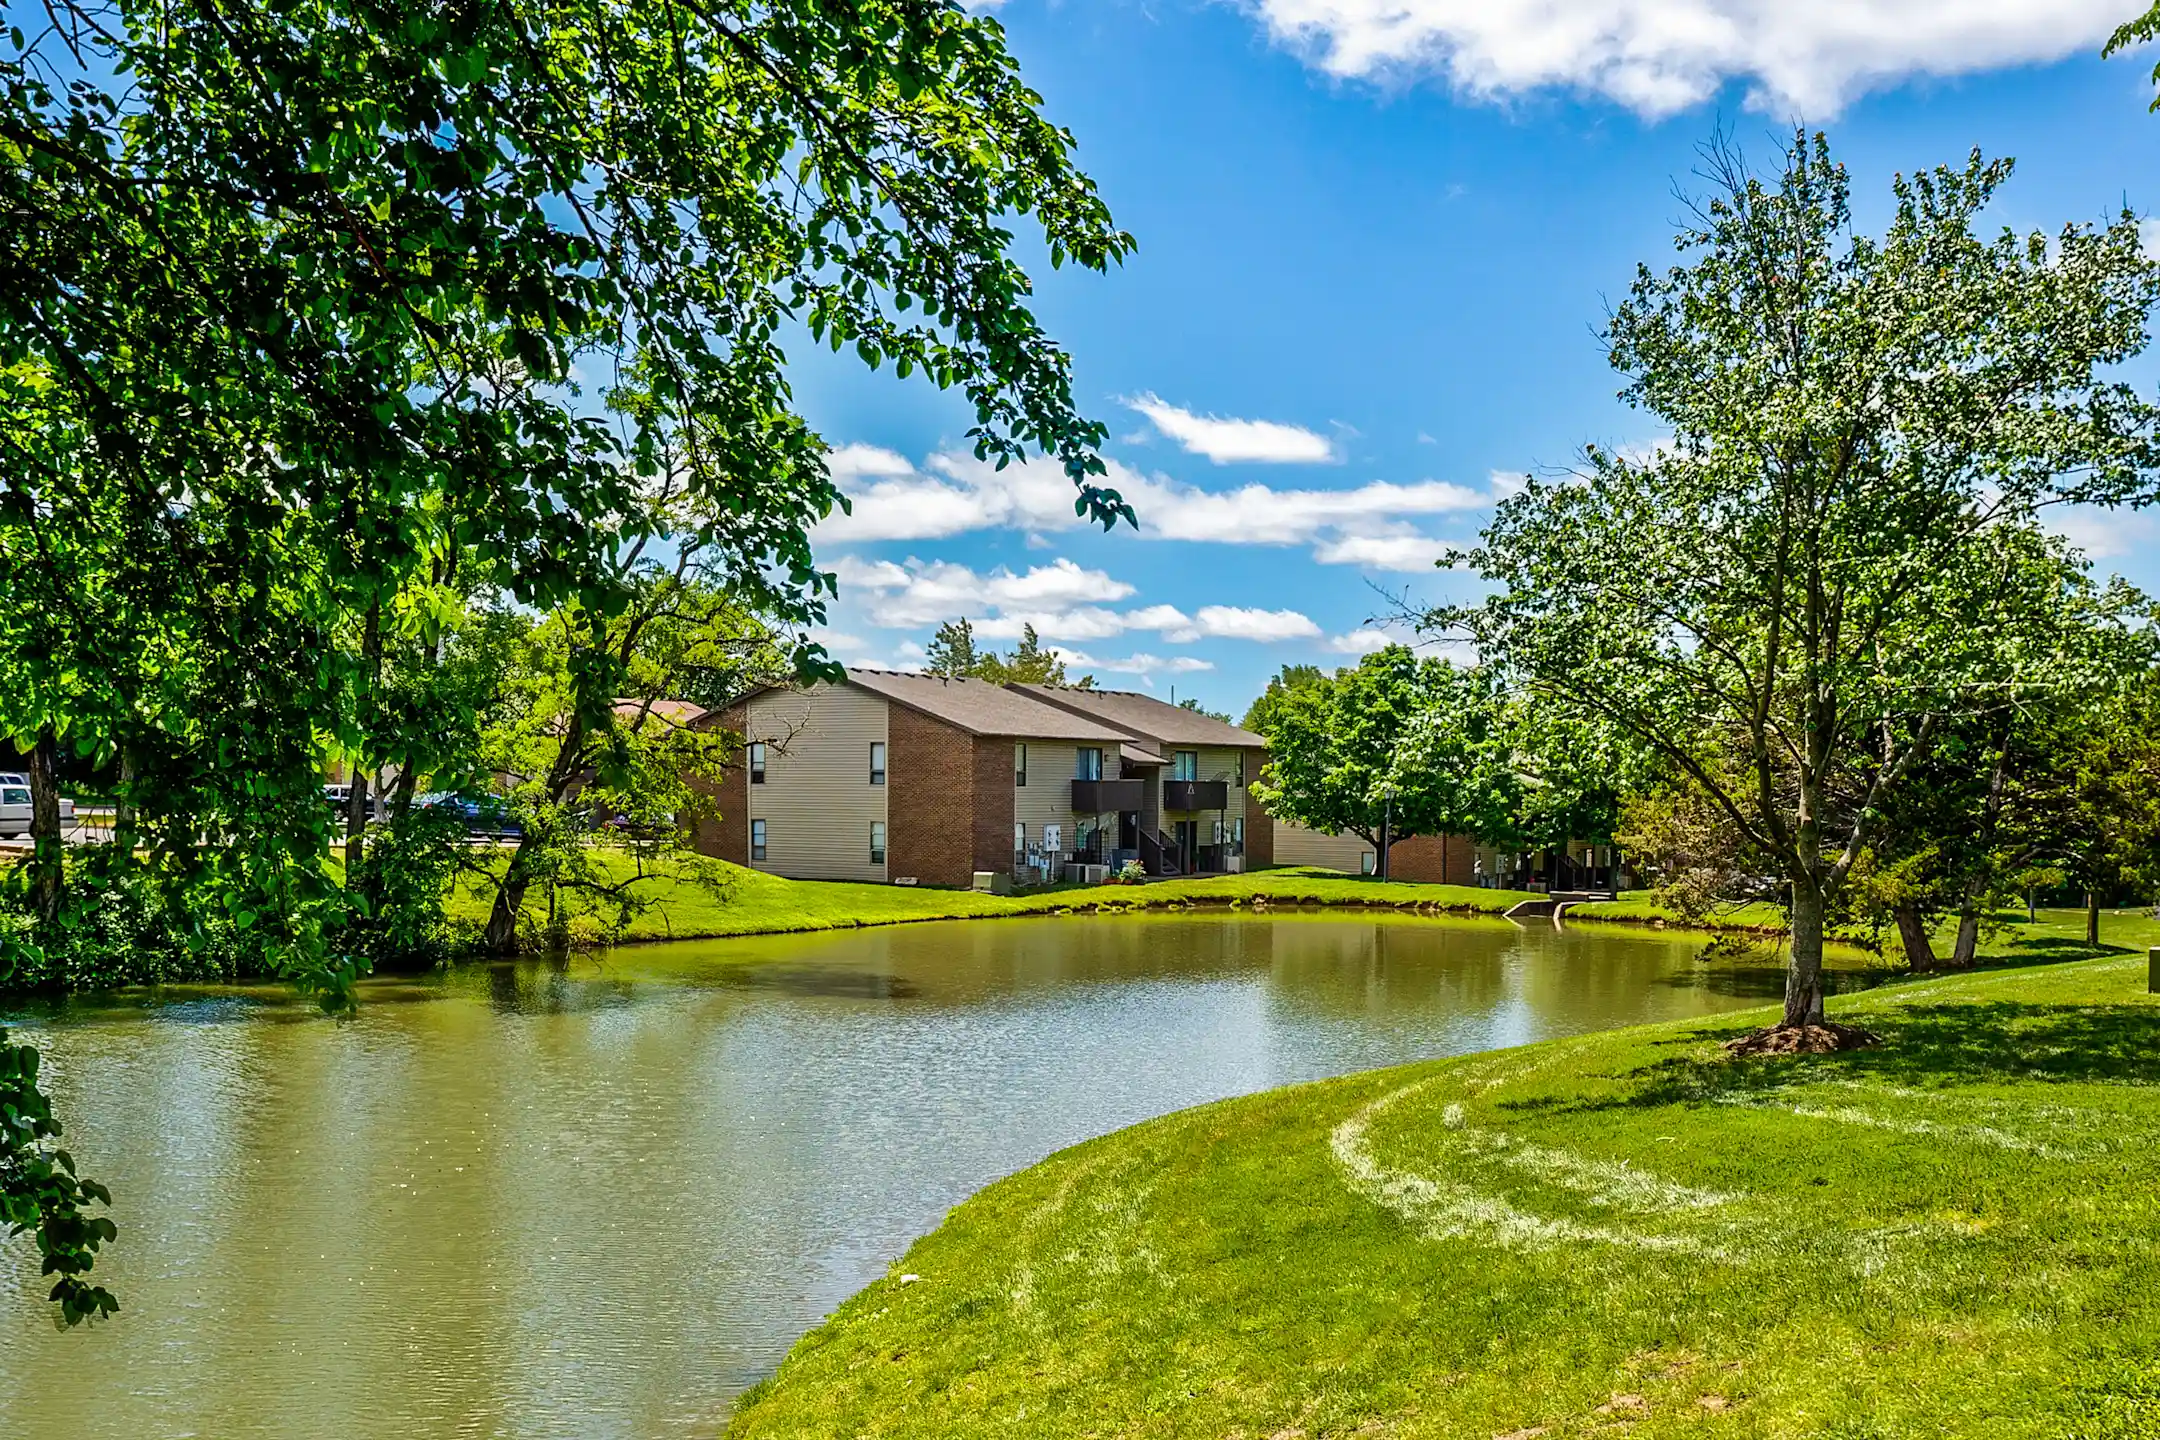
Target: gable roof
[
  {"x": 981, "y": 708},
  {"x": 1144, "y": 716},
  {"x": 667, "y": 714}
]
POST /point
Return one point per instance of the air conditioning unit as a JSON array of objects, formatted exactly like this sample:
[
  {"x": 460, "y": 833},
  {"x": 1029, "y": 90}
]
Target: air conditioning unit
[{"x": 1079, "y": 874}]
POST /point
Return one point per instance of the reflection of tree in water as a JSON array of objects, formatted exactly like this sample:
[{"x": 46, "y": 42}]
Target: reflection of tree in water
[
  {"x": 555, "y": 985},
  {"x": 1389, "y": 966}
]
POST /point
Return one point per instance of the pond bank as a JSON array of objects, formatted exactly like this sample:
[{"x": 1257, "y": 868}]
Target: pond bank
[
  {"x": 711, "y": 899},
  {"x": 1626, "y": 1228}
]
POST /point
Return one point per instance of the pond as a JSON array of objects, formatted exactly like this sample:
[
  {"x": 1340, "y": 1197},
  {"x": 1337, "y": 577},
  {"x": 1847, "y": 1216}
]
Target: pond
[{"x": 597, "y": 1197}]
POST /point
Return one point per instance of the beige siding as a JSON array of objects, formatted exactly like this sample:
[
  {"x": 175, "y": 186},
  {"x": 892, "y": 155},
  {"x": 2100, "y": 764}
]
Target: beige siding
[
  {"x": 1296, "y": 845},
  {"x": 817, "y": 801},
  {"x": 1047, "y": 797}
]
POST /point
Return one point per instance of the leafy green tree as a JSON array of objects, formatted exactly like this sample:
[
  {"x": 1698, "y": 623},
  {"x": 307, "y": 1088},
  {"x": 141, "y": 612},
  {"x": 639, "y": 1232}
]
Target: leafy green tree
[
  {"x": 1260, "y": 715},
  {"x": 302, "y": 314},
  {"x": 952, "y": 650},
  {"x": 1833, "y": 561},
  {"x": 2100, "y": 823},
  {"x": 1391, "y": 748},
  {"x": 1028, "y": 663},
  {"x": 1198, "y": 709},
  {"x": 631, "y": 773}
]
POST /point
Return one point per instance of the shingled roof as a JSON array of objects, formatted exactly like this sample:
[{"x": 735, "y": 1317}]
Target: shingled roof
[
  {"x": 981, "y": 708},
  {"x": 1145, "y": 716}
]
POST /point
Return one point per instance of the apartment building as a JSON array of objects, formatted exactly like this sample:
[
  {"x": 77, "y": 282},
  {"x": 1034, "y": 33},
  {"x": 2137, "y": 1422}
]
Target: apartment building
[
  {"x": 1179, "y": 797},
  {"x": 908, "y": 778},
  {"x": 922, "y": 779}
]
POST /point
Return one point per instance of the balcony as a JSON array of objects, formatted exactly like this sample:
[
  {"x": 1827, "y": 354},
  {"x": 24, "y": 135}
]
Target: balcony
[
  {"x": 1195, "y": 794},
  {"x": 1101, "y": 797}
]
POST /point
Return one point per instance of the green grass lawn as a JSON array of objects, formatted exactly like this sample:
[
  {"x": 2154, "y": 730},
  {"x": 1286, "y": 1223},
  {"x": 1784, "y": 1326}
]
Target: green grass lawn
[
  {"x": 1620, "y": 1234},
  {"x": 703, "y": 899}
]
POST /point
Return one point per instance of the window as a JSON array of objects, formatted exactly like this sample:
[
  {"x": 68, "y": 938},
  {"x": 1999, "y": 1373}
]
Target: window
[
  {"x": 1186, "y": 765},
  {"x": 1087, "y": 764},
  {"x": 1241, "y": 769},
  {"x": 877, "y": 765},
  {"x": 757, "y": 763},
  {"x": 877, "y": 839},
  {"x": 14, "y": 797},
  {"x": 1019, "y": 764},
  {"x": 1365, "y": 863},
  {"x": 1019, "y": 837},
  {"x": 757, "y": 839},
  {"x": 1237, "y": 834}
]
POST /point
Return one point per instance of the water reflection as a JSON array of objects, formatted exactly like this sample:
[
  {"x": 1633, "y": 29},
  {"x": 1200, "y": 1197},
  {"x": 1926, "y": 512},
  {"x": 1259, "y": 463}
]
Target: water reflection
[{"x": 598, "y": 1196}]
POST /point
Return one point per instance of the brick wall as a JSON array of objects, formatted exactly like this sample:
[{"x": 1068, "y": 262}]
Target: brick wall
[
  {"x": 1433, "y": 859},
  {"x": 992, "y": 818},
  {"x": 931, "y": 814},
  {"x": 1259, "y": 827},
  {"x": 726, "y": 835}
]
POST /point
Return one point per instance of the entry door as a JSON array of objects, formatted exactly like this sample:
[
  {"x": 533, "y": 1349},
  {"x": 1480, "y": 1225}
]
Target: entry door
[
  {"x": 1188, "y": 845},
  {"x": 1128, "y": 830}
]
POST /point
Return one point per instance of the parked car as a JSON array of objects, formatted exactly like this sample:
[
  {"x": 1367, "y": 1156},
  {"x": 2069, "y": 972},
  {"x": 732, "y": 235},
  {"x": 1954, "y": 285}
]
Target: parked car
[
  {"x": 487, "y": 815},
  {"x": 338, "y": 797},
  {"x": 15, "y": 809},
  {"x": 9, "y": 777}
]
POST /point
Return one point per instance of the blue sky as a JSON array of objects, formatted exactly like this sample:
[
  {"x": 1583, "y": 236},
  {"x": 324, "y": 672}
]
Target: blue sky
[{"x": 1376, "y": 239}]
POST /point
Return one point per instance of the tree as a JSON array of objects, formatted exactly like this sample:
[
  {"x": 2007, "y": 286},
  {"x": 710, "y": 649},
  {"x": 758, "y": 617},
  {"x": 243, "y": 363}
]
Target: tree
[
  {"x": 1260, "y": 715},
  {"x": 1390, "y": 748},
  {"x": 1834, "y": 561},
  {"x": 952, "y": 650},
  {"x": 2103, "y": 827},
  {"x": 1198, "y": 709},
  {"x": 299, "y": 316},
  {"x": 1028, "y": 663}
]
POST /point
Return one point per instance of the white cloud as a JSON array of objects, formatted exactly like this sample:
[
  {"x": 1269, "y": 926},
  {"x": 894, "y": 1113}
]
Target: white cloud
[
  {"x": 1135, "y": 664},
  {"x": 1362, "y": 642},
  {"x": 1226, "y": 441},
  {"x": 2104, "y": 534},
  {"x": 1232, "y": 622},
  {"x": 1409, "y": 551},
  {"x": 929, "y": 593},
  {"x": 1062, "y": 600},
  {"x": 1661, "y": 56},
  {"x": 956, "y": 493},
  {"x": 855, "y": 462}
]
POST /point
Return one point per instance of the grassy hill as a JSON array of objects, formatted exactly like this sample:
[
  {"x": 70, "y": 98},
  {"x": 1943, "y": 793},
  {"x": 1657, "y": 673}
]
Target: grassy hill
[
  {"x": 699, "y": 898},
  {"x": 1621, "y": 1234}
]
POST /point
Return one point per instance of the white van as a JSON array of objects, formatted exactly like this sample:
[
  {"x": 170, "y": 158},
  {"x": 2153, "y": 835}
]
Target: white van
[{"x": 15, "y": 810}]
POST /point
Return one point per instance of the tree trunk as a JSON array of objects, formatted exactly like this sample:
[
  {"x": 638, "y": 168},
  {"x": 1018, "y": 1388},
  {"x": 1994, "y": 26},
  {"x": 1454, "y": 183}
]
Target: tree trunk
[
  {"x": 356, "y": 805},
  {"x": 1913, "y": 935},
  {"x": 48, "y": 862},
  {"x": 1804, "y": 979},
  {"x": 500, "y": 938},
  {"x": 124, "y": 811},
  {"x": 1967, "y": 948},
  {"x": 356, "y": 808},
  {"x": 2092, "y": 918}
]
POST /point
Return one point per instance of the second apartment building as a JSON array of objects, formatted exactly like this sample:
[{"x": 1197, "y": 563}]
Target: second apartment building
[{"x": 907, "y": 778}]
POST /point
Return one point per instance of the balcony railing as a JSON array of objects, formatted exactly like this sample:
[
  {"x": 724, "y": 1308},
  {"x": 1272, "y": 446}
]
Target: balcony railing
[
  {"x": 1101, "y": 797},
  {"x": 1195, "y": 794}
]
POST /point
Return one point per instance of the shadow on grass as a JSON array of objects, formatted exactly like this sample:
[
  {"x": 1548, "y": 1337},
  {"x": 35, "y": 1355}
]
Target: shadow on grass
[{"x": 1925, "y": 1047}]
